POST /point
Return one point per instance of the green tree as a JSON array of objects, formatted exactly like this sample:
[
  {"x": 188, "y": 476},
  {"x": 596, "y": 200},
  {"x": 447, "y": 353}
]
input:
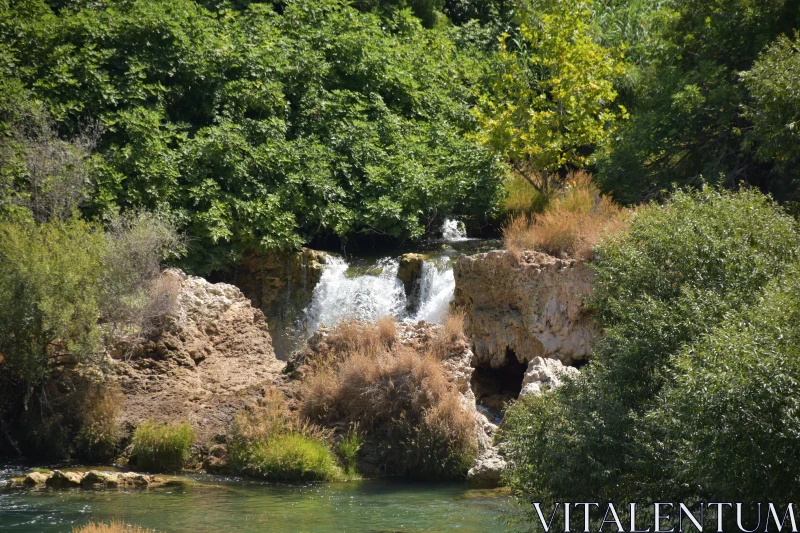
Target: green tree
[
  {"x": 551, "y": 100},
  {"x": 774, "y": 109},
  {"x": 687, "y": 126}
]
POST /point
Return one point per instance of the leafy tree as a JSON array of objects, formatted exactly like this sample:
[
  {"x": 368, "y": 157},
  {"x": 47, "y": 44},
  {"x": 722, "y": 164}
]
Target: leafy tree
[
  {"x": 728, "y": 414},
  {"x": 774, "y": 107},
  {"x": 258, "y": 127},
  {"x": 551, "y": 100},
  {"x": 687, "y": 125},
  {"x": 676, "y": 276}
]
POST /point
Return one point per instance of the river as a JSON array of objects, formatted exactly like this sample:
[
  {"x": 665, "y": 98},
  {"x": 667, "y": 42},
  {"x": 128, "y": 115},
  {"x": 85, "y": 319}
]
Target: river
[{"x": 216, "y": 504}]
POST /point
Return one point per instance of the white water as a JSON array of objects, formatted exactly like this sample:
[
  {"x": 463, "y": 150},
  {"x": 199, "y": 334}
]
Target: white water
[
  {"x": 341, "y": 296},
  {"x": 454, "y": 231}
]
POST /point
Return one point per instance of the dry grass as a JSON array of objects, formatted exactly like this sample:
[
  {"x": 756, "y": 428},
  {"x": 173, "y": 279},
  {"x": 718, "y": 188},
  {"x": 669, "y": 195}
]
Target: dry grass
[
  {"x": 115, "y": 526},
  {"x": 576, "y": 220},
  {"x": 101, "y": 429},
  {"x": 401, "y": 398}
]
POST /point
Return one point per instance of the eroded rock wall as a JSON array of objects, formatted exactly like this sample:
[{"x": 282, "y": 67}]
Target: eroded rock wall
[{"x": 524, "y": 305}]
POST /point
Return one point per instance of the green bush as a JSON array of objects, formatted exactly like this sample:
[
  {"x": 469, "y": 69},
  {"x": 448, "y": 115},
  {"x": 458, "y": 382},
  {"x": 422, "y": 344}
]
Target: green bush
[
  {"x": 347, "y": 449},
  {"x": 730, "y": 410},
  {"x": 286, "y": 457},
  {"x": 162, "y": 447},
  {"x": 263, "y": 128},
  {"x": 674, "y": 278}
]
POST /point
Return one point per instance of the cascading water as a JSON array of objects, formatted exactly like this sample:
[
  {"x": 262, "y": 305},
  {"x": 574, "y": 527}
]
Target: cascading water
[
  {"x": 369, "y": 296},
  {"x": 344, "y": 292},
  {"x": 436, "y": 286},
  {"x": 454, "y": 231}
]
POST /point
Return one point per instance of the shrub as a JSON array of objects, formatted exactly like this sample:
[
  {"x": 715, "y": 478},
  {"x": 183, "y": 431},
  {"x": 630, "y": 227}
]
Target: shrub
[
  {"x": 100, "y": 431},
  {"x": 730, "y": 410},
  {"x": 676, "y": 276},
  {"x": 575, "y": 221},
  {"x": 112, "y": 527},
  {"x": 162, "y": 447},
  {"x": 347, "y": 448},
  {"x": 401, "y": 400},
  {"x": 270, "y": 444},
  {"x": 287, "y": 457}
]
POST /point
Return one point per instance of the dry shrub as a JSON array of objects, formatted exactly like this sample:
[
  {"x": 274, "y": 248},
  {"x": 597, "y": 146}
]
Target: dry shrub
[
  {"x": 450, "y": 337},
  {"x": 115, "y": 526},
  {"x": 403, "y": 401},
  {"x": 576, "y": 220},
  {"x": 101, "y": 430},
  {"x": 353, "y": 336}
]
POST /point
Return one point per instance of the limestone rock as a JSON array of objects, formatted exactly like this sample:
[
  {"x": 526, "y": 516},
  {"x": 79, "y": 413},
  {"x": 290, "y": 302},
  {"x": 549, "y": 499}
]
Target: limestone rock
[
  {"x": 488, "y": 469},
  {"x": 524, "y": 305},
  {"x": 543, "y": 374},
  {"x": 36, "y": 478},
  {"x": 410, "y": 270},
  {"x": 281, "y": 285},
  {"x": 63, "y": 480},
  {"x": 213, "y": 356}
]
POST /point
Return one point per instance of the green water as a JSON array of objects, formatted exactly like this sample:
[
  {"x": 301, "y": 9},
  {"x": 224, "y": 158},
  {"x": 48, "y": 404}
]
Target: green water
[{"x": 215, "y": 504}]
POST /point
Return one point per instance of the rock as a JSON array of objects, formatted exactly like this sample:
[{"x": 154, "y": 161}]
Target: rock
[
  {"x": 544, "y": 374},
  {"x": 36, "y": 478},
  {"x": 524, "y": 305},
  {"x": 217, "y": 461},
  {"x": 213, "y": 356},
  {"x": 281, "y": 285},
  {"x": 488, "y": 470},
  {"x": 63, "y": 480},
  {"x": 410, "y": 270}
]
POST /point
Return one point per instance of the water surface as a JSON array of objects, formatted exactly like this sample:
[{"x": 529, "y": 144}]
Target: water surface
[{"x": 216, "y": 504}]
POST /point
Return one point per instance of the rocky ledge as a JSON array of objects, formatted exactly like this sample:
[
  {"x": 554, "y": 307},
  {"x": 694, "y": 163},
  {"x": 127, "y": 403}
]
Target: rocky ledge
[{"x": 93, "y": 479}]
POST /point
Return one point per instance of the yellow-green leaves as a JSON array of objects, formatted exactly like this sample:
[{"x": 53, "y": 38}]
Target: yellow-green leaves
[{"x": 552, "y": 99}]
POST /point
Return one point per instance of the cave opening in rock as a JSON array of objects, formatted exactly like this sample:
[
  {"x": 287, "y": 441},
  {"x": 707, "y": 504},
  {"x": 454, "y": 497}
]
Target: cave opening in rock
[{"x": 495, "y": 387}]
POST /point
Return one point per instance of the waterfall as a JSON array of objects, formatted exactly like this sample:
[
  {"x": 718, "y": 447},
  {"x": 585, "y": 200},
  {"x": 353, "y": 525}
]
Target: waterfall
[
  {"x": 436, "y": 288},
  {"x": 453, "y": 231},
  {"x": 341, "y": 295},
  {"x": 369, "y": 296}
]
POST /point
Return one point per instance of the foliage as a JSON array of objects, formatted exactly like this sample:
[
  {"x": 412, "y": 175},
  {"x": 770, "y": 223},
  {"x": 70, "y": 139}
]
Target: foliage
[
  {"x": 268, "y": 443},
  {"x": 289, "y": 457},
  {"x": 347, "y": 448},
  {"x": 774, "y": 107},
  {"x": 687, "y": 122},
  {"x": 551, "y": 101},
  {"x": 162, "y": 447},
  {"x": 400, "y": 398},
  {"x": 49, "y": 302},
  {"x": 262, "y": 129},
  {"x": 674, "y": 277},
  {"x": 729, "y": 410}
]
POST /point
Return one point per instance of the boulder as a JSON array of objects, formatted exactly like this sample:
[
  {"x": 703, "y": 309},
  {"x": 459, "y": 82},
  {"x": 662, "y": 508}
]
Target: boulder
[
  {"x": 63, "y": 480},
  {"x": 544, "y": 374},
  {"x": 488, "y": 469},
  {"x": 524, "y": 305},
  {"x": 409, "y": 271},
  {"x": 212, "y": 357},
  {"x": 36, "y": 478}
]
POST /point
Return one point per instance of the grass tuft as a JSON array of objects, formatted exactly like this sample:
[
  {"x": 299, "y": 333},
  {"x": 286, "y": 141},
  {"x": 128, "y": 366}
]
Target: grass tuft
[
  {"x": 115, "y": 526},
  {"x": 162, "y": 447}
]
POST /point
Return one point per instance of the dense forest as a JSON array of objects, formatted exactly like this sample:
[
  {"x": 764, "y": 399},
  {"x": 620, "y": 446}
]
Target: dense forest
[{"x": 138, "y": 132}]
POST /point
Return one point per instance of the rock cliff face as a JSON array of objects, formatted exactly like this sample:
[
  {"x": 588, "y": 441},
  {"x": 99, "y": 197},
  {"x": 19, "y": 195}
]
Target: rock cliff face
[
  {"x": 525, "y": 318},
  {"x": 524, "y": 305},
  {"x": 281, "y": 285},
  {"x": 212, "y": 357}
]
